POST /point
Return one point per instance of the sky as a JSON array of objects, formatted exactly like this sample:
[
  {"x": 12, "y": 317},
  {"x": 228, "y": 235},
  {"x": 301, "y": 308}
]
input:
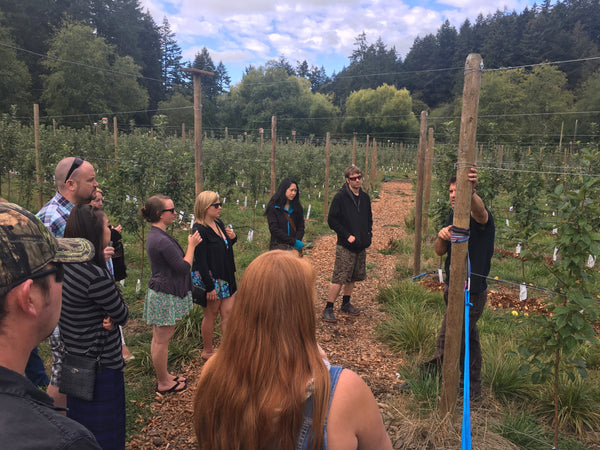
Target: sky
[{"x": 323, "y": 32}]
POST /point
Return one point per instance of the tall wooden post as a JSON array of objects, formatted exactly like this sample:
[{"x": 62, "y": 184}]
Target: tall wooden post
[
  {"x": 500, "y": 156},
  {"x": 273, "y": 151},
  {"x": 462, "y": 214},
  {"x": 419, "y": 195},
  {"x": 354, "y": 149},
  {"x": 326, "y": 193},
  {"x": 115, "y": 137},
  {"x": 38, "y": 164},
  {"x": 427, "y": 179},
  {"x": 183, "y": 137},
  {"x": 197, "y": 123},
  {"x": 373, "y": 165},
  {"x": 366, "y": 168},
  {"x": 262, "y": 138}
]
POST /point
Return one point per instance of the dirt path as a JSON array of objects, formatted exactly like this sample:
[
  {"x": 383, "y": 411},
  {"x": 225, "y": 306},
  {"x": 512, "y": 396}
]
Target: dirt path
[{"x": 351, "y": 342}]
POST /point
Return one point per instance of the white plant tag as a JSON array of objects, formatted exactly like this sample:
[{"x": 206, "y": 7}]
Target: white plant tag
[
  {"x": 250, "y": 235},
  {"x": 523, "y": 292},
  {"x": 440, "y": 276}
]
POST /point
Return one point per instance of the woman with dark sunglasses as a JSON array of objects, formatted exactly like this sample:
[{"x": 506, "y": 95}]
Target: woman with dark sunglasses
[
  {"x": 214, "y": 266},
  {"x": 89, "y": 296},
  {"x": 169, "y": 297}
]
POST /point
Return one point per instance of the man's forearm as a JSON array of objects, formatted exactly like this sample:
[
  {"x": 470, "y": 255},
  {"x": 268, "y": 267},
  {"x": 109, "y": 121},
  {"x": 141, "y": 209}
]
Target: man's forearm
[
  {"x": 440, "y": 246},
  {"x": 478, "y": 211}
]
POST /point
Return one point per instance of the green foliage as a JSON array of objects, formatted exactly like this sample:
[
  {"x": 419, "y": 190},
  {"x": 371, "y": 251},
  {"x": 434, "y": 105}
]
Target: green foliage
[
  {"x": 523, "y": 429},
  {"x": 104, "y": 82},
  {"x": 15, "y": 80},
  {"x": 574, "y": 308},
  {"x": 271, "y": 91},
  {"x": 382, "y": 110},
  {"x": 413, "y": 325},
  {"x": 578, "y": 405},
  {"x": 501, "y": 369}
]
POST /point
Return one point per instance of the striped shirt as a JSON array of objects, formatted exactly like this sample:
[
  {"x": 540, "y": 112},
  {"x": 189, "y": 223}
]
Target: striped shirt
[
  {"x": 90, "y": 294},
  {"x": 55, "y": 213}
]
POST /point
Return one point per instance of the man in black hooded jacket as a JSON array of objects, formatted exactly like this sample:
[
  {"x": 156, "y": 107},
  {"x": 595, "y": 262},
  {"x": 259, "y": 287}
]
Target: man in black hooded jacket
[{"x": 351, "y": 218}]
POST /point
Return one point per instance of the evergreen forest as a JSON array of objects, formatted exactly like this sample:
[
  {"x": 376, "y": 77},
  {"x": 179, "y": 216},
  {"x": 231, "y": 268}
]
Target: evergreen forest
[{"x": 84, "y": 60}]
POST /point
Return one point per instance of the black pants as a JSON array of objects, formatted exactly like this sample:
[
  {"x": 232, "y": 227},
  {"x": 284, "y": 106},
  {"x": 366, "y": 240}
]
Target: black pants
[{"x": 478, "y": 301}]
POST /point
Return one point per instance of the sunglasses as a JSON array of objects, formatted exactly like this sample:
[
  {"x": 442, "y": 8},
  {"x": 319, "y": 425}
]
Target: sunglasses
[
  {"x": 77, "y": 162},
  {"x": 357, "y": 177},
  {"x": 217, "y": 205},
  {"x": 57, "y": 269},
  {"x": 171, "y": 210}
]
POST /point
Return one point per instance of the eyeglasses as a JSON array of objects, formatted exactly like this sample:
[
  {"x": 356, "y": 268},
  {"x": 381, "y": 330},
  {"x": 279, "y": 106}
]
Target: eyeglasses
[
  {"x": 171, "y": 210},
  {"x": 357, "y": 177},
  {"x": 217, "y": 205},
  {"x": 58, "y": 269},
  {"x": 77, "y": 162}
]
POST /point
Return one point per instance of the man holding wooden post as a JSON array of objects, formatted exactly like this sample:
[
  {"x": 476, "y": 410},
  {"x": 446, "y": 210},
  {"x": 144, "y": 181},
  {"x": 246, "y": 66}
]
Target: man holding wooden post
[{"x": 480, "y": 235}]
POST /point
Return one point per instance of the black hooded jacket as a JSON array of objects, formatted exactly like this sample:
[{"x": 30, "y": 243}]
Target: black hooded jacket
[{"x": 350, "y": 214}]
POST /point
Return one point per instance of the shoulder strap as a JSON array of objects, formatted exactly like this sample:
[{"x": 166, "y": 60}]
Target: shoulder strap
[{"x": 289, "y": 219}]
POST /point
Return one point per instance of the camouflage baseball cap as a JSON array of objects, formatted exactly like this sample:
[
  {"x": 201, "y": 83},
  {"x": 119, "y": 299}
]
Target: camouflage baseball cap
[{"x": 27, "y": 246}]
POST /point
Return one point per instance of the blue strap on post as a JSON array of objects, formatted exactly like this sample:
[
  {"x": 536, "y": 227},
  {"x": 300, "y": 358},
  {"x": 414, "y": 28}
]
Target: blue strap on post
[
  {"x": 462, "y": 235},
  {"x": 466, "y": 425}
]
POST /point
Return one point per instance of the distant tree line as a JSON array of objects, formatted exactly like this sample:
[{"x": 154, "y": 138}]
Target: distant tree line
[{"x": 83, "y": 58}]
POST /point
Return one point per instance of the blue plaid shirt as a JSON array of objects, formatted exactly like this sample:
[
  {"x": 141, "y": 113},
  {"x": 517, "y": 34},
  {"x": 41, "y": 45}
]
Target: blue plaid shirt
[{"x": 55, "y": 213}]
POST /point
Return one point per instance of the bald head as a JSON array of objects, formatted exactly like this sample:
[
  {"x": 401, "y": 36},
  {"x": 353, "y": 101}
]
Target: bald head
[{"x": 76, "y": 182}]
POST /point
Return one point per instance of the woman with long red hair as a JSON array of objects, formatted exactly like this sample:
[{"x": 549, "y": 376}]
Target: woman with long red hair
[{"x": 268, "y": 386}]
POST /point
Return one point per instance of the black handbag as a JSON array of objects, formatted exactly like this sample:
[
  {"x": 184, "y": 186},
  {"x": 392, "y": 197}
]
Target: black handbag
[
  {"x": 199, "y": 295},
  {"x": 78, "y": 376}
]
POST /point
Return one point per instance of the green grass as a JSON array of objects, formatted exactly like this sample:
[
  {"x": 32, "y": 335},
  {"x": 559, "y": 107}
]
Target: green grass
[
  {"x": 579, "y": 404},
  {"x": 414, "y": 318},
  {"x": 523, "y": 429}
]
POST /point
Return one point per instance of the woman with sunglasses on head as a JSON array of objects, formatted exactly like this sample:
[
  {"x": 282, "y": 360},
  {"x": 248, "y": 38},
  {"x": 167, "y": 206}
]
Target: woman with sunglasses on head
[
  {"x": 169, "y": 297},
  {"x": 89, "y": 296},
  {"x": 214, "y": 266},
  {"x": 286, "y": 217}
]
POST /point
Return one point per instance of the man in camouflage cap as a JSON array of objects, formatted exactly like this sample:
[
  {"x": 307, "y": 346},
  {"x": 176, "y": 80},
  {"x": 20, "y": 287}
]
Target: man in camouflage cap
[{"x": 30, "y": 301}]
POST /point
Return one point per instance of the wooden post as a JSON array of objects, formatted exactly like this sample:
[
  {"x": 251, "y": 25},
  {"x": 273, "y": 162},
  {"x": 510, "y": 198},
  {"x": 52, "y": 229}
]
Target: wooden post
[
  {"x": 427, "y": 180},
  {"x": 183, "y": 137},
  {"x": 500, "y": 156},
  {"x": 354, "y": 150},
  {"x": 273, "y": 151},
  {"x": 462, "y": 214},
  {"x": 373, "y": 176},
  {"x": 115, "y": 137},
  {"x": 262, "y": 135},
  {"x": 326, "y": 193},
  {"x": 293, "y": 141},
  {"x": 197, "y": 123},
  {"x": 366, "y": 168},
  {"x": 562, "y": 127},
  {"x": 38, "y": 164},
  {"x": 419, "y": 195}
]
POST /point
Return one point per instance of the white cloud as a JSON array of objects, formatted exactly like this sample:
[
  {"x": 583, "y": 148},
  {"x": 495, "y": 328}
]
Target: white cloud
[{"x": 251, "y": 32}]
